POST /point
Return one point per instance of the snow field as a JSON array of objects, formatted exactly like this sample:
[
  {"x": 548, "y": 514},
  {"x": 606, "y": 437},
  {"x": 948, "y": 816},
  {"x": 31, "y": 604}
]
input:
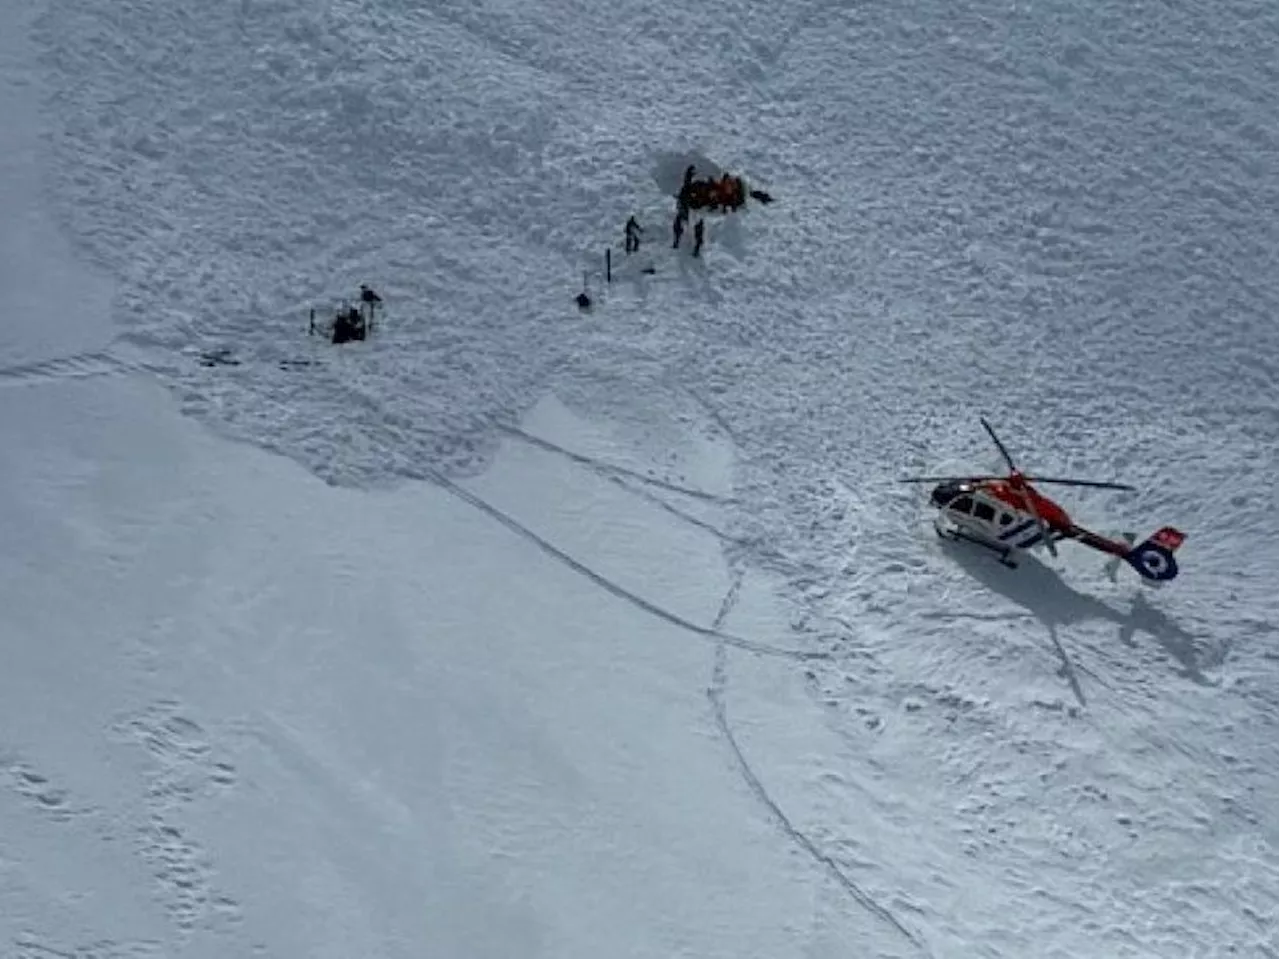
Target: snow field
[{"x": 659, "y": 659}]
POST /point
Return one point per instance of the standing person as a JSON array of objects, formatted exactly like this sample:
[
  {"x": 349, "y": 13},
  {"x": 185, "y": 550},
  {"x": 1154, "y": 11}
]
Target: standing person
[
  {"x": 371, "y": 298},
  {"x": 633, "y": 231},
  {"x": 686, "y": 190},
  {"x": 686, "y": 187},
  {"x": 677, "y": 228},
  {"x": 697, "y": 237}
]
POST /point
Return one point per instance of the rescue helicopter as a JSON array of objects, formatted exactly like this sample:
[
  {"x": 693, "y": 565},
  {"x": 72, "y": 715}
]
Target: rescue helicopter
[{"x": 1007, "y": 514}]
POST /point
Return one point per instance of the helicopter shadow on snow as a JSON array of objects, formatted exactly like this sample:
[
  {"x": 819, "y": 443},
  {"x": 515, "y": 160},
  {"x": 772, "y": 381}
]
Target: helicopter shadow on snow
[{"x": 1042, "y": 592}]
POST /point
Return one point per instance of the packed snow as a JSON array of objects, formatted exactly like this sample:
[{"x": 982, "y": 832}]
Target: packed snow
[{"x": 521, "y": 630}]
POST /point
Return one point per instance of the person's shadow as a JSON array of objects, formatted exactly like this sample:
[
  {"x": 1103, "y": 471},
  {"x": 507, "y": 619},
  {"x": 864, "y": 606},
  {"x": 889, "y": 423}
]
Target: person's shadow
[{"x": 1040, "y": 590}]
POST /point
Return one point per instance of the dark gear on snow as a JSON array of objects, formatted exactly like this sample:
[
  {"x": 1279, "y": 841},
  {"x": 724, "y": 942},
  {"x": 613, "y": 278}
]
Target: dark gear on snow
[{"x": 348, "y": 325}]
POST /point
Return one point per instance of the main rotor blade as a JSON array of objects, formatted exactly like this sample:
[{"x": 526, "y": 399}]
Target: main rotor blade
[
  {"x": 948, "y": 479},
  {"x": 1000, "y": 446},
  {"x": 1065, "y": 481}
]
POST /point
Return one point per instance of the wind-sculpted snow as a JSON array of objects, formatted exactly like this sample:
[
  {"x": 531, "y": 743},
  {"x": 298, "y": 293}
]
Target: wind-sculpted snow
[{"x": 1061, "y": 215}]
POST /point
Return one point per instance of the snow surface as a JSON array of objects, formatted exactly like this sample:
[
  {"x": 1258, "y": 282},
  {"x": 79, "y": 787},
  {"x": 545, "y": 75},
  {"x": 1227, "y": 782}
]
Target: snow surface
[{"x": 519, "y": 631}]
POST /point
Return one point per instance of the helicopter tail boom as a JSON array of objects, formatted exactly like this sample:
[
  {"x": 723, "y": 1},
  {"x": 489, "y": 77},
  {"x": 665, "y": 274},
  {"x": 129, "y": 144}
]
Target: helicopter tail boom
[{"x": 1152, "y": 559}]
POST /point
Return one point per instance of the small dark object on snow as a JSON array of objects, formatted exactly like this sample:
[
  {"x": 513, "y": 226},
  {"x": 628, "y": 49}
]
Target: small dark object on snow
[
  {"x": 219, "y": 357},
  {"x": 349, "y": 325},
  {"x": 583, "y": 301}
]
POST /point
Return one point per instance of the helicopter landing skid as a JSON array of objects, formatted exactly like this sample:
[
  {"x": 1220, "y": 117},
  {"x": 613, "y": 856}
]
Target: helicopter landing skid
[{"x": 1003, "y": 553}]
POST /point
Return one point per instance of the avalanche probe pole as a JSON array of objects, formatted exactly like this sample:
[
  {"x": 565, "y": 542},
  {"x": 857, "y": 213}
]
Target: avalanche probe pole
[{"x": 608, "y": 264}]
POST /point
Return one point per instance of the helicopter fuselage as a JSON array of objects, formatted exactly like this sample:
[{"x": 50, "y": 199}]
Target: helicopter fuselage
[{"x": 979, "y": 513}]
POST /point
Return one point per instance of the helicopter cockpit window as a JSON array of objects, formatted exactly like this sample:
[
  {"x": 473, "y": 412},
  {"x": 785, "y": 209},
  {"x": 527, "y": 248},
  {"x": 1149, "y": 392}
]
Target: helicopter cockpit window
[
  {"x": 961, "y": 504},
  {"x": 1006, "y": 519},
  {"x": 984, "y": 512}
]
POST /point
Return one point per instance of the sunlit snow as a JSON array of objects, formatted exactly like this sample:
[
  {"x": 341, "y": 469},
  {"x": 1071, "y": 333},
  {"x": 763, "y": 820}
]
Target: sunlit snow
[{"x": 524, "y": 631}]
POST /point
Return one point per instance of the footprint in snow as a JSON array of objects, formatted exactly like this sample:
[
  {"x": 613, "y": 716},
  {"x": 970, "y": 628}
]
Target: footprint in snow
[
  {"x": 185, "y": 766},
  {"x": 46, "y": 798}
]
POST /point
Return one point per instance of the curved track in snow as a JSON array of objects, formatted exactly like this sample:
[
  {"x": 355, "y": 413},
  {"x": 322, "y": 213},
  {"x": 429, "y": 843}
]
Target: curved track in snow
[{"x": 1061, "y": 216}]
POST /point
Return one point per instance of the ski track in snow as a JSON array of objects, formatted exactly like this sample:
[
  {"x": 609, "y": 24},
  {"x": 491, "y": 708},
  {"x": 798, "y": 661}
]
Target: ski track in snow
[
  {"x": 711, "y": 634},
  {"x": 717, "y": 690},
  {"x": 760, "y": 552},
  {"x": 619, "y": 471},
  {"x": 33, "y": 947},
  {"x": 716, "y": 694},
  {"x": 76, "y": 366},
  {"x": 1064, "y": 217}
]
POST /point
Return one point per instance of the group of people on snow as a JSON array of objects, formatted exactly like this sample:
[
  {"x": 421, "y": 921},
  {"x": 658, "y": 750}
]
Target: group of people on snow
[
  {"x": 726, "y": 193},
  {"x": 633, "y": 230},
  {"x": 352, "y": 323}
]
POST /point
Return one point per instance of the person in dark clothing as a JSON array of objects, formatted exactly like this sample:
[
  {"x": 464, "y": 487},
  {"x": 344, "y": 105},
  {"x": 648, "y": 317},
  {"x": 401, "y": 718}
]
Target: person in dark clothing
[
  {"x": 684, "y": 197},
  {"x": 677, "y": 228},
  {"x": 697, "y": 237},
  {"x": 633, "y": 231},
  {"x": 367, "y": 296}
]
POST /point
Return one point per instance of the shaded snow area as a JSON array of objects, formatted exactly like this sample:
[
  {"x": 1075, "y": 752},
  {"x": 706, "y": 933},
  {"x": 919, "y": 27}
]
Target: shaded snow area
[{"x": 519, "y": 630}]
